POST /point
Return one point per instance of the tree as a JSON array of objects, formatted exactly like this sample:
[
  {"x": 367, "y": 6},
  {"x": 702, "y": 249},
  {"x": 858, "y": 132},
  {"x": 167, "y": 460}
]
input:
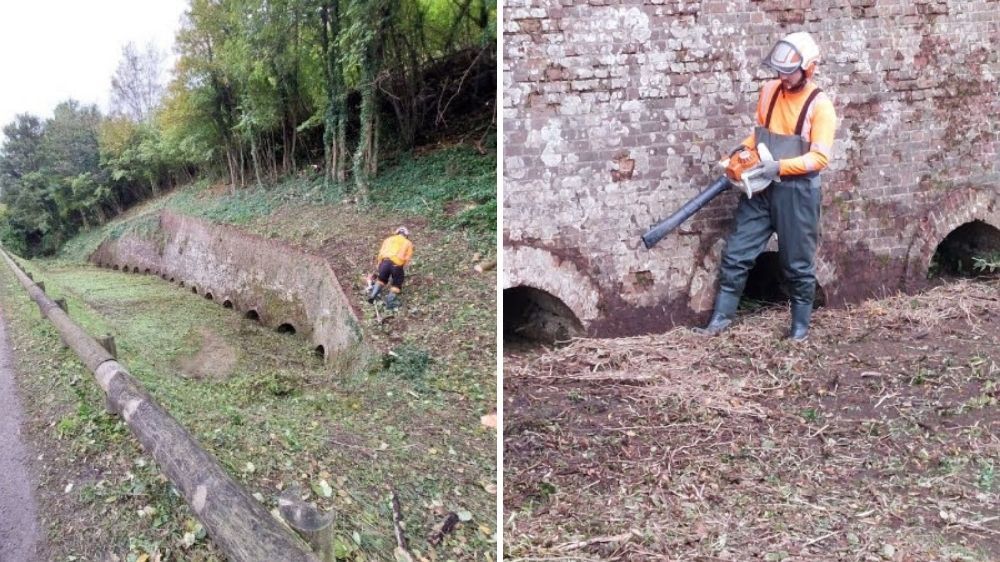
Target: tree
[
  {"x": 370, "y": 19},
  {"x": 70, "y": 143},
  {"x": 213, "y": 98},
  {"x": 136, "y": 86},
  {"x": 335, "y": 115},
  {"x": 21, "y": 153}
]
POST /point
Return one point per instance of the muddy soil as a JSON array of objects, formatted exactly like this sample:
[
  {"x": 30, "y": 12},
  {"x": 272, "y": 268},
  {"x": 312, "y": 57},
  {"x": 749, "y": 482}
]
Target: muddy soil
[
  {"x": 878, "y": 439},
  {"x": 19, "y": 537},
  {"x": 215, "y": 358}
]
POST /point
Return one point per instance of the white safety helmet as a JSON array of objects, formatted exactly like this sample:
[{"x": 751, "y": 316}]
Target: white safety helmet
[
  {"x": 403, "y": 230},
  {"x": 796, "y": 50}
]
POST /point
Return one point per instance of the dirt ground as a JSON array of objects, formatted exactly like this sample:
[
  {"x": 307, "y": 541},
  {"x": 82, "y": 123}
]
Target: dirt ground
[
  {"x": 19, "y": 536},
  {"x": 878, "y": 439}
]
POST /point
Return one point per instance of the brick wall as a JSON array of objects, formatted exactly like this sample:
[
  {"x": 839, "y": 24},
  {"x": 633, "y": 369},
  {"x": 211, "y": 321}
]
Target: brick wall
[
  {"x": 281, "y": 283},
  {"x": 616, "y": 111}
]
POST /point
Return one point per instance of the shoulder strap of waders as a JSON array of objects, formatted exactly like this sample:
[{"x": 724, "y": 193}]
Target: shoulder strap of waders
[
  {"x": 805, "y": 111},
  {"x": 802, "y": 115},
  {"x": 770, "y": 109}
]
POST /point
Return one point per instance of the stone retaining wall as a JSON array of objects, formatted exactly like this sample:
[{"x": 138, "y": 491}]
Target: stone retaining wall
[{"x": 281, "y": 283}]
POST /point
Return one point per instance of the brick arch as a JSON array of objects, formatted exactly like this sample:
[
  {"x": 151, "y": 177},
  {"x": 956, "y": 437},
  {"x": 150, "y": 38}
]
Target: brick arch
[
  {"x": 540, "y": 269},
  {"x": 826, "y": 271},
  {"x": 964, "y": 206}
]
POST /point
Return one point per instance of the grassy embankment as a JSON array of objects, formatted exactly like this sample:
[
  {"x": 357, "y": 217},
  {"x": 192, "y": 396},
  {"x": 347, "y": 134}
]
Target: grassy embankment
[{"x": 406, "y": 420}]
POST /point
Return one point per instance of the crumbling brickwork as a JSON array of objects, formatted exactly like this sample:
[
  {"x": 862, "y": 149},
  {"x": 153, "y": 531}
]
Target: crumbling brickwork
[
  {"x": 616, "y": 112},
  {"x": 280, "y": 283}
]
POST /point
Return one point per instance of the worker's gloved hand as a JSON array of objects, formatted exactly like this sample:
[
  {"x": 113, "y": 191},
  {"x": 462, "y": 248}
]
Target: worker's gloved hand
[{"x": 769, "y": 169}]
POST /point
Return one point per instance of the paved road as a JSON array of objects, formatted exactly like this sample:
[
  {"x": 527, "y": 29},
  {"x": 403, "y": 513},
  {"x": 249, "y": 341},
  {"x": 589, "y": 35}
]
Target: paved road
[{"x": 18, "y": 524}]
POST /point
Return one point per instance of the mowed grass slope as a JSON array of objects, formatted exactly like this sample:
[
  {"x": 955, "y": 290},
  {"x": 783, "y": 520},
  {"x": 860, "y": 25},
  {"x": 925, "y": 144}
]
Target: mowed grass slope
[{"x": 406, "y": 419}]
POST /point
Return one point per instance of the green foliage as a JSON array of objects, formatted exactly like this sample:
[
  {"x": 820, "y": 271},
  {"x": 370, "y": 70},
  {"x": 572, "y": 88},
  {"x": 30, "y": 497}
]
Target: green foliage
[
  {"x": 811, "y": 415},
  {"x": 453, "y": 187},
  {"x": 987, "y": 476},
  {"x": 243, "y": 206},
  {"x": 48, "y": 176},
  {"x": 21, "y": 153},
  {"x": 253, "y": 83},
  {"x": 276, "y": 383},
  {"x": 481, "y": 218},
  {"x": 407, "y": 362},
  {"x": 989, "y": 263}
]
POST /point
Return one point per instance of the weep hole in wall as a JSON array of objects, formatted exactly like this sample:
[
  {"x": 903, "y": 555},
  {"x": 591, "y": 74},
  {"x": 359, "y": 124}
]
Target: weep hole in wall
[
  {"x": 964, "y": 250},
  {"x": 766, "y": 284},
  {"x": 536, "y": 315}
]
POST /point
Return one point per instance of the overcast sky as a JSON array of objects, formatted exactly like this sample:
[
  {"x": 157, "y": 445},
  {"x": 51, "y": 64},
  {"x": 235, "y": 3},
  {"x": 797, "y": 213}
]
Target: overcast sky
[{"x": 53, "y": 50}]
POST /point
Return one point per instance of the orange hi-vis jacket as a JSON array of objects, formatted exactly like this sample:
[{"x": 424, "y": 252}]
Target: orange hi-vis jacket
[
  {"x": 396, "y": 248},
  {"x": 818, "y": 125}
]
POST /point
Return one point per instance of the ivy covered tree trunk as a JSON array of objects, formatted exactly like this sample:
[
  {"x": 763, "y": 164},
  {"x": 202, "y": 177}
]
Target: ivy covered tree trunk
[
  {"x": 365, "y": 155},
  {"x": 335, "y": 119},
  {"x": 253, "y": 156}
]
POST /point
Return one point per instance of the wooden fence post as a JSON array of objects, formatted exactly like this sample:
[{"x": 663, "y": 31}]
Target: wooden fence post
[
  {"x": 313, "y": 525},
  {"x": 108, "y": 343}
]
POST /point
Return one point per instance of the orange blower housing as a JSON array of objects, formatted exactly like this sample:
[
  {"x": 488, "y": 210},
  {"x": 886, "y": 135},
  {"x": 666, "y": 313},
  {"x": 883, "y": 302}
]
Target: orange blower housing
[{"x": 740, "y": 162}]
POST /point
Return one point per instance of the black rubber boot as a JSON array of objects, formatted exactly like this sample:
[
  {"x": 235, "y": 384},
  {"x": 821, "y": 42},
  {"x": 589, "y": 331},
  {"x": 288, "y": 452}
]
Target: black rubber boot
[
  {"x": 373, "y": 294},
  {"x": 722, "y": 316},
  {"x": 799, "y": 330}
]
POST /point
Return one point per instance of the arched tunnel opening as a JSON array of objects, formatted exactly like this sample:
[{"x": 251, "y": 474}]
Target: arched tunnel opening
[
  {"x": 285, "y": 328},
  {"x": 320, "y": 352},
  {"x": 971, "y": 250},
  {"x": 227, "y": 303},
  {"x": 531, "y": 314},
  {"x": 766, "y": 285},
  {"x": 252, "y": 315},
  {"x": 209, "y": 296}
]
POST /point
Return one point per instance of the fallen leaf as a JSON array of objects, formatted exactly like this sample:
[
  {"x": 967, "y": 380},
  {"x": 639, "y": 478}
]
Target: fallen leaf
[
  {"x": 188, "y": 540},
  {"x": 489, "y": 420},
  {"x": 322, "y": 488}
]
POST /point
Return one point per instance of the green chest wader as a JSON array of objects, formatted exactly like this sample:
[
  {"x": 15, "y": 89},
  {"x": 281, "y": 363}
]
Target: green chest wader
[{"x": 790, "y": 208}]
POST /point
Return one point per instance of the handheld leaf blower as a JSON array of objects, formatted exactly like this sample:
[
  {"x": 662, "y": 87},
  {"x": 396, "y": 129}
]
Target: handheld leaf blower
[{"x": 742, "y": 171}]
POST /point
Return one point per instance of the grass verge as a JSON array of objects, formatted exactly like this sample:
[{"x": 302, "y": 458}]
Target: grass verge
[{"x": 273, "y": 415}]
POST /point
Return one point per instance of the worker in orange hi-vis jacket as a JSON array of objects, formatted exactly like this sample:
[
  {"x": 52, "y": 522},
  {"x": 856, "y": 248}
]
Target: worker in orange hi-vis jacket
[
  {"x": 796, "y": 122},
  {"x": 395, "y": 252}
]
